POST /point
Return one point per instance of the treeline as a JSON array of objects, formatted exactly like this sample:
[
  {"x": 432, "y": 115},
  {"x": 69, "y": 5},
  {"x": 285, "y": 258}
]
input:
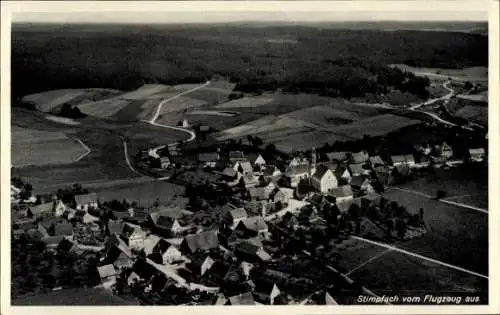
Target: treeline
[{"x": 335, "y": 62}]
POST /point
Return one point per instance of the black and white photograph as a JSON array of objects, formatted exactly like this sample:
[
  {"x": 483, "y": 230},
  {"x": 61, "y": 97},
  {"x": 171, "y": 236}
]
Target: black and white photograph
[{"x": 199, "y": 155}]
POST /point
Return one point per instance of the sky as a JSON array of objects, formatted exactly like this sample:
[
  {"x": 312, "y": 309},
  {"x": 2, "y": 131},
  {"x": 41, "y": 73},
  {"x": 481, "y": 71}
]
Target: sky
[{"x": 217, "y": 12}]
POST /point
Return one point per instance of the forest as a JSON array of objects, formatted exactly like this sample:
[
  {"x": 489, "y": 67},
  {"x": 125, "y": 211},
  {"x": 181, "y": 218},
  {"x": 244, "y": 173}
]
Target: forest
[{"x": 337, "y": 62}]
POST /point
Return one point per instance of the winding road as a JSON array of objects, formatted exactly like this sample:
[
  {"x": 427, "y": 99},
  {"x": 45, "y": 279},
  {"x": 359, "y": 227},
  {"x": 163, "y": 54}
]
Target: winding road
[{"x": 434, "y": 100}]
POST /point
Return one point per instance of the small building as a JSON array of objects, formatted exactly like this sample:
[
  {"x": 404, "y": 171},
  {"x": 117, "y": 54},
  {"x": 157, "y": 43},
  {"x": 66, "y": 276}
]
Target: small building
[
  {"x": 298, "y": 161},
  {"x": 443, "y": 150},
  {"x": 132, "y": 278},
  {"x": 107, "y": 273},
  {"x": 401, "y": 171},
  {"x": 282, "y": 195},
  {"x": 243, "y": 167},
  {"x": 253, "y": 226},
  {"x": 40, "y": 211},
  {"x": 342, "y": 193},
  {"x": 369, "y": 200},
  {"x": 120, "y": 256},
  {"x": 230, "y": 174},
  {"x": 167, "y": 252},
  {"x": 167, "y": 226},
  {"x": 84, "y": 202},
  {"x": 203, "y": 242},
  {"x": 252, "y": 252},
  {"x": 208, "y": 159},
  {"x": 59, "y": 208},
  {"x": 133, "y": 236},
  {"x": 407, "y": 159},
  {"x": 234, "y": 216},
  {"x": 294, "y": 174},
  {"x": 290, "y": 220},
  {"x": 338, "y": 156},
  {"x": 271, "y": 172},
  {"x": 266, "y": 291},
  {"x": 258, "y": 193},
  {"x": 250, "y": 180},
  {"x": 324, "y": 179},
  {"x": 164, "y": 162},
  {"x": 410, "y": 160},
  {"x": 477, "y": 155},
  {"x": 359, "y": 157}
]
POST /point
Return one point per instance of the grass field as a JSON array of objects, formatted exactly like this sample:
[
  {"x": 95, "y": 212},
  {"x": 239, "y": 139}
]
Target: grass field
[
  {"x": 397, "y": 273},
  {"x": 245, "y": 102},
  {"x": 31, "y": 147},
  {"x": 146, "y": 194},
  {"x": 46, "y": 101},
  {"x": 454, "y": 234}
]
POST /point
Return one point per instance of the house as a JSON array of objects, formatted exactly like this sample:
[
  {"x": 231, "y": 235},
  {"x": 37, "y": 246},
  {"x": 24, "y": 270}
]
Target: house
[
  {"x": 307, "y": 215},
  {"x": 337, "y": 156},
  {"x": 376, "y": 161},
  {"x": 294, "y": 174},
  {"x": 342, "y": 174},
  {"x": 84, "y": 202},
  {"x": 359, "y": 157},
  {"x": 271, "y": 172},
  {"x": 63, "y": 229},
  {"x": 66, "y": 246},
  {"x": 235, "y": 156},
  {"x": 132, "y": 278},
  {"x": 243, "y": 167},
  {"x": 167, "y": 252},
  {"x": 59, "y": 208},
  {"x": 270, "y": 187},
  {"x": 256, "y": 159},
  {"x": 107, "y": 273},
  {"x": 253, "y": 226},
  {"x": 118, "y": 253},
  {"x": 282, "y": 195},
  {"x": 369, "y": 200},
  {"x": 477, "y": 155},
  {"x": 298, "y": 161},
  {"x": 164, "y": 162},
  {"x": 342, "y": 193},
  {"x": 133, "y": 236},
  {"x": 241, "y": 299},
  {"x": 204, "y": 241},
  {"x": 52, "y": 242},
  {"x": 443, "y": 150},
  {"x": 40, "y": 211},
  {"x": 163, "y": 211},
  {"x": 200, "y": 266},
  {"x": 266, "y": 291},
  {"x": 324, "y": 179},
  {"x": 410, "y": 160},
  {"x": 358, "y": 169},
  {"x": 250, "y": 179},
  {"x": 361, "y": 184},
  {"x": 167, "y": 226},
  {"x": 252, "y": 252},
  {"x": 208, "y": 159},
  {"x": 84, "y": 217},
  {"x": 383, "y": 175},
  {"x": 401, "y": 171},
  {"x": 114, "y": 227},
  {"x": 234, "y": 216},
  {"x": 69, "y": 214},
  {"x": 230, "y": 174},
  {"x": 407, "y": 159},
  {"x": 345, "y": 205}
]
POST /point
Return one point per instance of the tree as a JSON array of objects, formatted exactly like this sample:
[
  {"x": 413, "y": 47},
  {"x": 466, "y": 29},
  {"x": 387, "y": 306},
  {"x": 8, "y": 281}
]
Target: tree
[
  {"x": 421, "y": 213},
  {"x": 440, "y": 194},
  {"x": 401, "y": 228},
  {"x": 468, "y": 85},
  {"x": 303, "y": 186}
]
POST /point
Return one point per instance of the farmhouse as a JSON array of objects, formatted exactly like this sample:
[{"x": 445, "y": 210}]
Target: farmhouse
[
  {"x": 258, "y": 193},
  {"x": 256, "y": 159},
  {"x": 357, "y": 169},
  {"x": 359, "y": 157},
  {"x": 242, "y": 299},
  {"x": 406, "y": 159},
  {"x": 200, "y": 266},
  {"x": 230, "y": 174},
  {"x": 282, "y": 195},
  {"x": 167, "y": 226},
  {"x": 271, "y": 172},
  {"x": 294, "y": 174},
  {"x": 401, "y": 171},
  {"x": 477, "y": 155},
  {"x": 133, "y": 236},
  {"x": 250, "y": 180},
  {"x": 252, "y": 226},
  {"x": 40, "y": 211},
  {"x": 234, "y": 216},
  {"x": 410, "y": 160},
  {"x": 168, "y": 252},
  {"x": 323, "y": 179},
  {"x": 298, "y": 161},
  {"x": 59, "y": 208},
  {"x": 84, "y": 202},
  {"x": 203, "y": 242},
  {"x": 118, "y": 253},
  {"x": 252, "y": 252},
  {"x": 361, "y": 184},
  {"x": 208, "y": 159},
  {"x": 341, "y": 193},
  {"x": 266, "y": 291}
]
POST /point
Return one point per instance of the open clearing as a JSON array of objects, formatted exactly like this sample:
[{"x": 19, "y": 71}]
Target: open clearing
[
  {"x": 31, "y": 147},
  {"x": 454, "y": 233},
  {"x": 473, "y": 74}
]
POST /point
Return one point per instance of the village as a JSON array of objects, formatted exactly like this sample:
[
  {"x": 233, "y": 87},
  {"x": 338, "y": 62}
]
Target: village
[{"x": 256, "y": 228}]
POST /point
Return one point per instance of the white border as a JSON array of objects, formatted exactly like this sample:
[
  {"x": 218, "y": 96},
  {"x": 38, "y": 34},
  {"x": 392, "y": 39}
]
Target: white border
[{"x": 194, "y": 6}]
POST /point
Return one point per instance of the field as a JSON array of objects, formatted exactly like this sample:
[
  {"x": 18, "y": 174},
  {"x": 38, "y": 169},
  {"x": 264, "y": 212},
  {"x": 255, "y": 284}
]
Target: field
[
  {"x": 397, "y": 273},
  {"x": 472, "y": 74},
  {"x": 31, "y": 147},
  {"x": 73, "y": 297},
  {"x": 454, "y": 233},
  {"x": 246, "y": 102},
  {"x": 146, "y": 194}
]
